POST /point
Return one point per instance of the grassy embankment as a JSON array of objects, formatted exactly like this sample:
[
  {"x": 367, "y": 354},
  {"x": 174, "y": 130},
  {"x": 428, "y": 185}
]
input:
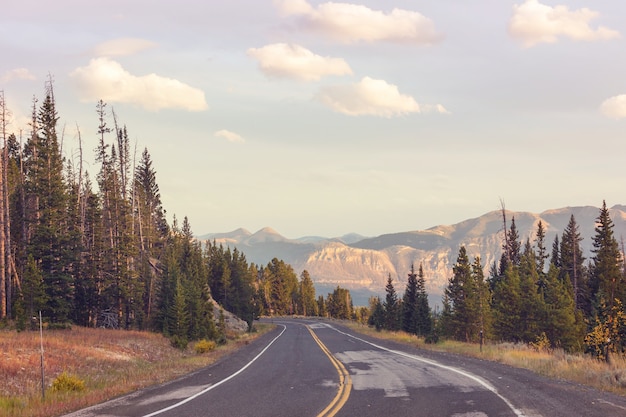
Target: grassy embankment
[
  {"x": 578, "y": 368},
  {"x": 109, "y": 362}
]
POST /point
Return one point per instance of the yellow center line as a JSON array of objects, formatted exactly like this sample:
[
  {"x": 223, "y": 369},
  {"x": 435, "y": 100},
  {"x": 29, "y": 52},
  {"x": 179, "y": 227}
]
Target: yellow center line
[{"x": 345, "y": 383}]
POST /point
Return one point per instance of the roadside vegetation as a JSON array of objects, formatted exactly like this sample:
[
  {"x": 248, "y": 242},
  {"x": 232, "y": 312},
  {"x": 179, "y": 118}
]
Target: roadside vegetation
[
  {"x": 554, "y": 363},
  {"x": 85, "y": 366}
]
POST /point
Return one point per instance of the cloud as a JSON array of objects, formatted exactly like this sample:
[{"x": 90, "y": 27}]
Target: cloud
[
  {"x": 614, "y": 107},
  {"x": 371, "y": 97},
  {"x": 352, "y": 23},
  {"x": 106, "y": 79},
  {"x": 122, "y": 47},
  {"x": 533, "y": 23},
  {"x": 17, "y": 74},
  {"x": 291, "y": 7},
  {"x": 229, "y": 136},
  {"x": 295, "y": 61}
]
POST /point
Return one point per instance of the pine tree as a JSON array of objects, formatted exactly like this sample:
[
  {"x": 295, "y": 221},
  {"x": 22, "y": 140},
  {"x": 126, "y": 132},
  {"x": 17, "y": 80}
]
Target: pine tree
[
  {"x": 308, "y": 306},
  {"x": 339, "y": 304},
  {"x": 409, "y": 304},
  {"x": 377, "y": 314},
  {"x": 555, "y": 257},
  {"x": 321, "y": 306},
  {"x": 531, "y": 303},
  {"x": 391, "y": 306},
  {"x": 571, "y": 262},
  {"x": 151, "y": 229},
  {"x": 562, "y": 323},
  {"x": 423, "y": 319},
  {"x": 33, "y": 292},
  {"x": 463, "y": 295},
  {"x": 606, "y": 280},
  {"x": 49, "y": 242},
  {"x": 540, "y": 243},
  {"x": 484, "y": 299},
  {"x": 506, "y": 307}
]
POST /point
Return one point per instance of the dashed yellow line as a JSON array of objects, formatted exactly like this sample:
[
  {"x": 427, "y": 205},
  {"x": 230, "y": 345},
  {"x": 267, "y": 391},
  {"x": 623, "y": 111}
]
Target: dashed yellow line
[{"x": 345, "y": 383}]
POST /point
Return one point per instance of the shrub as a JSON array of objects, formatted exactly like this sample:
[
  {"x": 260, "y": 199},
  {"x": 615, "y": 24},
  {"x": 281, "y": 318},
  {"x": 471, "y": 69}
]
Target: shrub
[
  {"x": 66, "y": 382},
  {"x": 179, "y": 342},
  {"x": 542, "y": 343},
  {"x": 204, "y": 346},
  {"x": 59, "y": 326},
  {"x": 432, "y": 338}
]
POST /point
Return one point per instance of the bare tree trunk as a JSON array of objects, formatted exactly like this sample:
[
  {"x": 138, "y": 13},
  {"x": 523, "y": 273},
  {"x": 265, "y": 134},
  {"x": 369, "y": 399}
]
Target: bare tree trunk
[
  {"x": 10, "y": 273},
  {"x": 4, "y": 284}
]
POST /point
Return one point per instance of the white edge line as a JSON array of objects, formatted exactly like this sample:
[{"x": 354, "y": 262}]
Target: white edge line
[
  {"x": 186, "y": 400},
  {"x": 437, "y": 364}
]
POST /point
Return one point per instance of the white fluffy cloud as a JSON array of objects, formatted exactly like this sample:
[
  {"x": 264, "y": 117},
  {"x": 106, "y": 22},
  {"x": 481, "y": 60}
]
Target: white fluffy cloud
[
  {"x": 295, "y": 61},
  {"x": 352, "y": 22},
  {"x": 229, "y": 136},
  {"x": 533, "y": 23},
  {"x": 372, "y": 97},
  {"x": 614, "y": 107},
  {"x": 17, "y": 74},
  {"x": 122, "y": 47},
  {"x": 106, "y": 79}
]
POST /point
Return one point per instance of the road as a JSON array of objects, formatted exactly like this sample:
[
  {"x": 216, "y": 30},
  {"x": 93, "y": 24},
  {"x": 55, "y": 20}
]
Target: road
[{"x": 315, "y": 368}]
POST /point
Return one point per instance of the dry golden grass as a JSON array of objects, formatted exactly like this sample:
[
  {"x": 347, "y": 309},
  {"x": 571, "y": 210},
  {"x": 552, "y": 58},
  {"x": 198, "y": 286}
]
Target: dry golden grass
[
  {"x": 578, "y": 368},
  {"x": 110, "y": 362}
]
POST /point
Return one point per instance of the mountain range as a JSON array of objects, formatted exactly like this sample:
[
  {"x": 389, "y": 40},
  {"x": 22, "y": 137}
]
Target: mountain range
[{"x": 362, "y": 264}]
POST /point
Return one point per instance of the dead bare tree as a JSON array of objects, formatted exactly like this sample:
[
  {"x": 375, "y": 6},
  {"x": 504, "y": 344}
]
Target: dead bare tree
[{"x": 4, "y": 284}]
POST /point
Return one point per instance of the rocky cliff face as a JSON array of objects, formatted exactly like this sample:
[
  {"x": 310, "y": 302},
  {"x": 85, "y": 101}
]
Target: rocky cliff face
[{"x": 363, "y": 264}]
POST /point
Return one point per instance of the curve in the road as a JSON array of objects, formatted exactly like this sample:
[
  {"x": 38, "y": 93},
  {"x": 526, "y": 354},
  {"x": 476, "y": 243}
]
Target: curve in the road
[
  {"x": 345, "y": 383},
  {"x": 186, "y": 400},
  {"x": 439, "y": 365}
]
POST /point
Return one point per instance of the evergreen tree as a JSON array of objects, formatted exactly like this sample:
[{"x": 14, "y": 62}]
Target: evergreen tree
[
  {"x": 151, "y": 229},
  {"x": 308, "y": 306},
  {"x": 409, "y": 304},
  {"x": 571, "y": 262},
  {"x": 339, "y": 304},
  {"x": 555, "y": 258},
  {"x": 391, "y": 306},
  {"x": 49, "y": 240},
  {"x": 377, "y": 314},
  {"x": 506, "y": 307},
  {"x": 464, "y": 302},
  {"x": 531, "y": 303},
  {"x": 511, "y": 250},
  {"x": 606, "y": 280},
  {"x": 321, "y": 306},
  {"x": 33, "y": 292},
  {"x": 423, "y": 319},
  {"x": 484, "y": 298},
  {"x": 542, "y": 251},
  {"x": 514, "y": 248},
  {"x": 562, "y": 323}
]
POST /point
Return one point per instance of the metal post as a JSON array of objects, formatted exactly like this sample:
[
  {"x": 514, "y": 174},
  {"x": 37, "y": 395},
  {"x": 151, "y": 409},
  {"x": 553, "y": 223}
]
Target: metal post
[
  {"x": 43, "y": 386},
  {"x": 481, "y": 340}
]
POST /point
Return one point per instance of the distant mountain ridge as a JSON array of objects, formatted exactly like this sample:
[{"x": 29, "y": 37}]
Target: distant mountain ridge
[{"x": 362, "y": 264}]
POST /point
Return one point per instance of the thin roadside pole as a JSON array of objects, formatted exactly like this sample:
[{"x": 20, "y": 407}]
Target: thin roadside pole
[{"x": 43, "y": 386}]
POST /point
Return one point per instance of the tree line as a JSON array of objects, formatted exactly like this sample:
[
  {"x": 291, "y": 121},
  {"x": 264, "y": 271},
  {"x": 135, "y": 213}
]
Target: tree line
[
  {"x": 551, "y": 298},
  {"x": 101, "y": 253}
]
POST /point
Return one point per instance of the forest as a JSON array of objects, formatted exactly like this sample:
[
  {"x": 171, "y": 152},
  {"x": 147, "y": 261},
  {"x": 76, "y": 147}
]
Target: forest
[
  {"x": 533, "y": 295},
  {"x": 101, "y": 253}
]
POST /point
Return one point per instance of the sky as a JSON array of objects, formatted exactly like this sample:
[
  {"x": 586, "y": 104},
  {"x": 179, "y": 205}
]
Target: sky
[{"x": 320, "y": 118}]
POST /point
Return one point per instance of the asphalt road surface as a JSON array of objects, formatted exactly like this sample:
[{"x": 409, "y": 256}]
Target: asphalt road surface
[{"x": 317, "y": 368}]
